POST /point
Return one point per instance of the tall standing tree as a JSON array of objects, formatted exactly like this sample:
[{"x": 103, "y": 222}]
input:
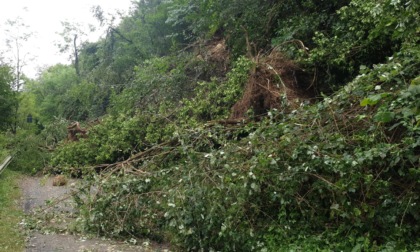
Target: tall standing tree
[
  {"x": 18, "y": 35},
  {"x": 74, "y": 36}
]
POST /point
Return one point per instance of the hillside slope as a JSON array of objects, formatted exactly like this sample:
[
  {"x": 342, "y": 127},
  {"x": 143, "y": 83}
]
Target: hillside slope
[{"x": 247, "y": 125}]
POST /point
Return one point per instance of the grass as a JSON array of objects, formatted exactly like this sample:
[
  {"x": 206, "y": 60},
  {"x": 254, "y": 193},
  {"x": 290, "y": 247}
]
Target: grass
[
  {"x": 11, "y": 237},
  {"x": 3, "y": 155}
]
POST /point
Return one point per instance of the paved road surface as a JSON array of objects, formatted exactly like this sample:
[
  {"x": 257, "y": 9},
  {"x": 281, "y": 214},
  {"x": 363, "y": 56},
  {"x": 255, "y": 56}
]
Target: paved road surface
[{"x": 36, "y": 192}]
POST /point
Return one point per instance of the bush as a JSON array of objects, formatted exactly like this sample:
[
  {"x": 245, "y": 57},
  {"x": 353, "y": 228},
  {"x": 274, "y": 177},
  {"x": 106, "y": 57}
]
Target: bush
[
  {"x": 344, "y": 167},
  {"x": 303, "y": 178},
  {"x": 27, "y": 152}
]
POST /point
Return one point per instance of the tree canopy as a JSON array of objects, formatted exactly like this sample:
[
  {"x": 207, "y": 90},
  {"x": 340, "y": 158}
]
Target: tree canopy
[{"x": 8, "y": 100}]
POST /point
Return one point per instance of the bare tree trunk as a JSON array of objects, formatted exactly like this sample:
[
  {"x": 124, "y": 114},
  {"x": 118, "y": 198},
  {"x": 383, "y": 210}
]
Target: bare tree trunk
[
  {"x": 17, "y": 80},
  {"x": 17, "y": 86},
  {"x": 76, "y": 56}
]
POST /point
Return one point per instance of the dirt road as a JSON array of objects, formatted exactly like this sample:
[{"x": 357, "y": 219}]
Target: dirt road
[{"x": 52, "y": 231}]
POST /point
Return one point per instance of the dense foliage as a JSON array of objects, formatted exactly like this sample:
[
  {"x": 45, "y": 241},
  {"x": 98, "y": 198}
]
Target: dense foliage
[
  {"x": 325, "y": 152},
  {"x": 345, "y": 167},
  {"x": 8, "y": 101}
]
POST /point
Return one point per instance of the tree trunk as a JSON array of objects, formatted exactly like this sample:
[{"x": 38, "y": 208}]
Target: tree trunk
[{"x": 76, "y": 56}]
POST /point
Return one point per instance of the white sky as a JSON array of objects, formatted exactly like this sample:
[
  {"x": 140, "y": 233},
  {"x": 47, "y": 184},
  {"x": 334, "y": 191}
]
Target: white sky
[{"x": 44, "y": 18}]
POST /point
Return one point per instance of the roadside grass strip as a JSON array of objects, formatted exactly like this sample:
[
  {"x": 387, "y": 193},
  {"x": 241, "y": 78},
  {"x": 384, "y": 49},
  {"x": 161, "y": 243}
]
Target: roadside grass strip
[{"x": 11, "y": 237}]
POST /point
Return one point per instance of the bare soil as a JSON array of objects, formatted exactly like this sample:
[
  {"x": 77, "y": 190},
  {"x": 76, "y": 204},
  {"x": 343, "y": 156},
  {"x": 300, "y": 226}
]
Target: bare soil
[
  {"x": 273, "y": 76},
  {"x": 50, "y": 216}
]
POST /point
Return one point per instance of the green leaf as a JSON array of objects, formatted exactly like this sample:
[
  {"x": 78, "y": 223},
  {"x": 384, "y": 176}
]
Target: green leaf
[
  {"x": 364, "y": 102},
  {"x": 356, "y": 248},
  {"x": 371, "y": 100},
  {"x": 384, "y": 116},
  {"x": 414, "y": 89}
]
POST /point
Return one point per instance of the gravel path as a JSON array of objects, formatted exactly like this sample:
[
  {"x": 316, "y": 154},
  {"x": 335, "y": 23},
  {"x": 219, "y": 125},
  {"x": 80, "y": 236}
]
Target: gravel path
[{"x": 37, "y": 192}]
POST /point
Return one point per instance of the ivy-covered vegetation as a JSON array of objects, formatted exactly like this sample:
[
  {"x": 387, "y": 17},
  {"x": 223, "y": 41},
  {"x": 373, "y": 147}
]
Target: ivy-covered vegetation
[{"x": 242, "y": 125}]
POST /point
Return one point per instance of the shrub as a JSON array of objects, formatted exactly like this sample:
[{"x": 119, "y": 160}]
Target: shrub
[
  {"x": 27, "y": 152},
  {"x": 344, "y": 167}
]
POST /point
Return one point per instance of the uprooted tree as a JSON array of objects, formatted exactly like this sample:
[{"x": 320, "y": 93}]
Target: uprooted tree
[
  {"x": 75, "y": 132},
  {"x": 265, "y": 126}
]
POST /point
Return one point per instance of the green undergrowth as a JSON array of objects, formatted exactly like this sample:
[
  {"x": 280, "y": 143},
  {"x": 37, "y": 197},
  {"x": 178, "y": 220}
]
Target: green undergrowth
[
  {"x": 3, "y": 155},
  {"x": 28, "y": 157},
  {"x": 337, "y": 175},
  {"x": 335, "y": 170},
  {"x": 3, "y": 150},
  {"x": 12, "y": 239}
]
